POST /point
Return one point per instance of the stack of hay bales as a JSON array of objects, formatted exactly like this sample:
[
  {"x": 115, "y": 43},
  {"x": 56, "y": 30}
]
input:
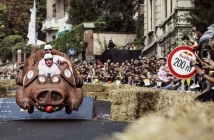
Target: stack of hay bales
[
  {"x": 186, "y": 121},
  {"x": 3, "y": 91},
  {"x": 130, "y": 103},
  {"x": 92, "y": 90},
  {"x": 6, "y": 83},
  {"x": 102, "y": 91},
  {"x": 5, "y": 88}
]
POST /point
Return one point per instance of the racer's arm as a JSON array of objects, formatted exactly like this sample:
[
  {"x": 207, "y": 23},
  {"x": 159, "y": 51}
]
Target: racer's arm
[{"x": 68, "y": 62}]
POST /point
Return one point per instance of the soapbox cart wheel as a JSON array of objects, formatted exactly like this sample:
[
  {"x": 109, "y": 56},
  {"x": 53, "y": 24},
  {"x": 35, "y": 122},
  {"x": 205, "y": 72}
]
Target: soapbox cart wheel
[
  {"x": 30, "y": 110},
  {"x": 67, "y": 109}
]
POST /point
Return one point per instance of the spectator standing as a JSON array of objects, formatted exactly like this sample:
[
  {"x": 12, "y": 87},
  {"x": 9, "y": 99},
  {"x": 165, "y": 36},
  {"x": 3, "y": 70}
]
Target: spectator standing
[
  {"x": 71, "y": 53},
  {"x": 111, "y": 45}
]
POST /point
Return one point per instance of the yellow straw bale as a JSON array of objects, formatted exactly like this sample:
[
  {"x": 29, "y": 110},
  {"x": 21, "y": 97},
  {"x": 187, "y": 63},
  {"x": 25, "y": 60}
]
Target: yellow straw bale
[
  {"x": 186, "y": 121},
  {"x": 11, "y": 94},
  {"x": 100, "y": 95},
  {"x": 108, "y": 87},
  {"x": 88, "y": 88},
  {"x": 3, "y": 91},
  {"x": 98, "y": 87},
  {"x": 128, "y": 102},
  {"x": 170, "y": 98},
  {"x": 136, "y": 101}
]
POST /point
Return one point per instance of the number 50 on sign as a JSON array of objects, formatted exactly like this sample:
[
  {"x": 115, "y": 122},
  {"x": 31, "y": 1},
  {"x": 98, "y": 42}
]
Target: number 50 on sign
[{"x": 179, "y": 62}]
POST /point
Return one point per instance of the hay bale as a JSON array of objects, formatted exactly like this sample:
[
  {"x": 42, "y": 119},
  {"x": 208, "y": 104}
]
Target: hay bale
[
  {"x": 11, "y": 94},
  {"x": 134, "y": 102},
  {"x": 3, "y": 91},
  {"x": 108, "y": 87},
  {"x": 121, "y": 110},
  {"x": 148, "y": 100},
  {"x": 186, "y": 121},
  {"x": 93, "y": 87},
  {"x": 87, "y": 88},
  {"x": 99, "y": 95},
  {"x": 170, "y": 98},
  {"x": 98, "y": 87}
]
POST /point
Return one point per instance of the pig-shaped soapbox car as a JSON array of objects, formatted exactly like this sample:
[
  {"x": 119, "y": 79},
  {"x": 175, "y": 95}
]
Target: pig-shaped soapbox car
[{"x": 48, "y": 93}]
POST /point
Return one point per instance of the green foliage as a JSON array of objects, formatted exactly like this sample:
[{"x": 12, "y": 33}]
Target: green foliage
[
  {"x": 74, "y": 38},
  {"x": 7, "y": 48},
  {"x": 99, "y": 26},
  {"x": 4, "y": 30},
  {"x": 19, "y": 16},
  {"x": 203, "y": 11},
  {"x": 21, "y": 46},
  {"x": 117, "y": 14},
  {"x": 83, "y": 11},
  {"x": 139, "y": 42},
  {"x": 113, "y": 21},
  {"x": 71, "y": 39}
]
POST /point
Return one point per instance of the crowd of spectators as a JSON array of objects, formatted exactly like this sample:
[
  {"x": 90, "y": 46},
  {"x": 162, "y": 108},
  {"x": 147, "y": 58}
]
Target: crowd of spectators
[
  {"x": 144, "y": 72},
  {"x": 8, "y": 73}
]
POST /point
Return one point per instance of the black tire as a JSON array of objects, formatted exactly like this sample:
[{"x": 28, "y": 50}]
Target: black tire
[
  {"x": 68, "y": 110},
  {"x": 31, "y": 110}
]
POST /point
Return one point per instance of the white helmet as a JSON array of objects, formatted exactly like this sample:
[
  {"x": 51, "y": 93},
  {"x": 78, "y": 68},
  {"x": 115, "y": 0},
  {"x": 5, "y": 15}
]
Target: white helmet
[
  {"x": 48, "y": 56},
  {"x": 47, "y": 47}
]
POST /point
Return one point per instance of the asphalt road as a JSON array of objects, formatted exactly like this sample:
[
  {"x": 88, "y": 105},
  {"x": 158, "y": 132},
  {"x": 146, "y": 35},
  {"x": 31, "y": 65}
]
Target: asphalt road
[{"x": 99, "y": 128}]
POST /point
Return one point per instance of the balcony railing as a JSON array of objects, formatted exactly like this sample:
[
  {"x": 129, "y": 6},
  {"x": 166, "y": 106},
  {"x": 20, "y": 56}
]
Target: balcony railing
[{"x": 50, "y": 24}]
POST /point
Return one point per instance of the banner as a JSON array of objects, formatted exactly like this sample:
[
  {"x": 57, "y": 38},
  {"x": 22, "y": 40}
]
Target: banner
[{"x": 32, "y": 27}]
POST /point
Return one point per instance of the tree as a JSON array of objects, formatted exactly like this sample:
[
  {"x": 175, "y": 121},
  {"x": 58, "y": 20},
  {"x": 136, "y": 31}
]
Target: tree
[
  {"x": 140, "y": 31},
  {"x": 119, "y": 15},
  {"x": 19, "y": 16},
  {"x": 3, "y": 22},
  {"x": 203, "y": 11},
  {"x": 7, "y": 51},
  {"x": 83, "y": 11}
]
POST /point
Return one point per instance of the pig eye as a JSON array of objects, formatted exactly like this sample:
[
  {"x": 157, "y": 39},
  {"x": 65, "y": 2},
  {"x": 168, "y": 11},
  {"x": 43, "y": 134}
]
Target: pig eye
[
  {"x": 55, "y": 79},
  {"x": 30, "y": 74},
  {"x": 41, "y": 79}
]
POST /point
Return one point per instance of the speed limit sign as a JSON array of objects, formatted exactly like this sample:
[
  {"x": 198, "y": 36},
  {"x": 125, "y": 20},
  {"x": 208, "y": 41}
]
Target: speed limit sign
[{"x": 179, "y": 62}]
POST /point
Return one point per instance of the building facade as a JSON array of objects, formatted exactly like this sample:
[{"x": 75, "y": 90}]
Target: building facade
[
  {"x": 56, "y": 19},
  {"x": 164, "y": 26}
]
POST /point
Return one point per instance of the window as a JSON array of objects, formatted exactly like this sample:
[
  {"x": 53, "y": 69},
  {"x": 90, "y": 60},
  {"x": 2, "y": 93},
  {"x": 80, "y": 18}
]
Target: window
[
  {"x": 65, "y": 4},
  {"x": 141, "y": 1},
  {"x": 171, "y": 6},
  {"x": 54, "y": 10},
  {"x": 151, "y": 14},
  {"x": 53, "y": 37},
  {"x": 165, "y": 8}
]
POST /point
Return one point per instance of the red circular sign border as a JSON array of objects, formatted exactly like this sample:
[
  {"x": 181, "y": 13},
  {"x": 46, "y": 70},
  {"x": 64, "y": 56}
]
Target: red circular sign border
[{"x": 170, "y": 59}]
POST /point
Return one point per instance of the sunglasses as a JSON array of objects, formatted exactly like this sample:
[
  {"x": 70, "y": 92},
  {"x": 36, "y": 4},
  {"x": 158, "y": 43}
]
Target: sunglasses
[{"x": 48, "y": 49}]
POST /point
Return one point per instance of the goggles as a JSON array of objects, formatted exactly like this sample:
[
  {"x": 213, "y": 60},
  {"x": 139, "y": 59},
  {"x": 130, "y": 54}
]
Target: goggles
[
  {"x": 47, "y": 50},
  {"x": 48, "y": 59}
]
